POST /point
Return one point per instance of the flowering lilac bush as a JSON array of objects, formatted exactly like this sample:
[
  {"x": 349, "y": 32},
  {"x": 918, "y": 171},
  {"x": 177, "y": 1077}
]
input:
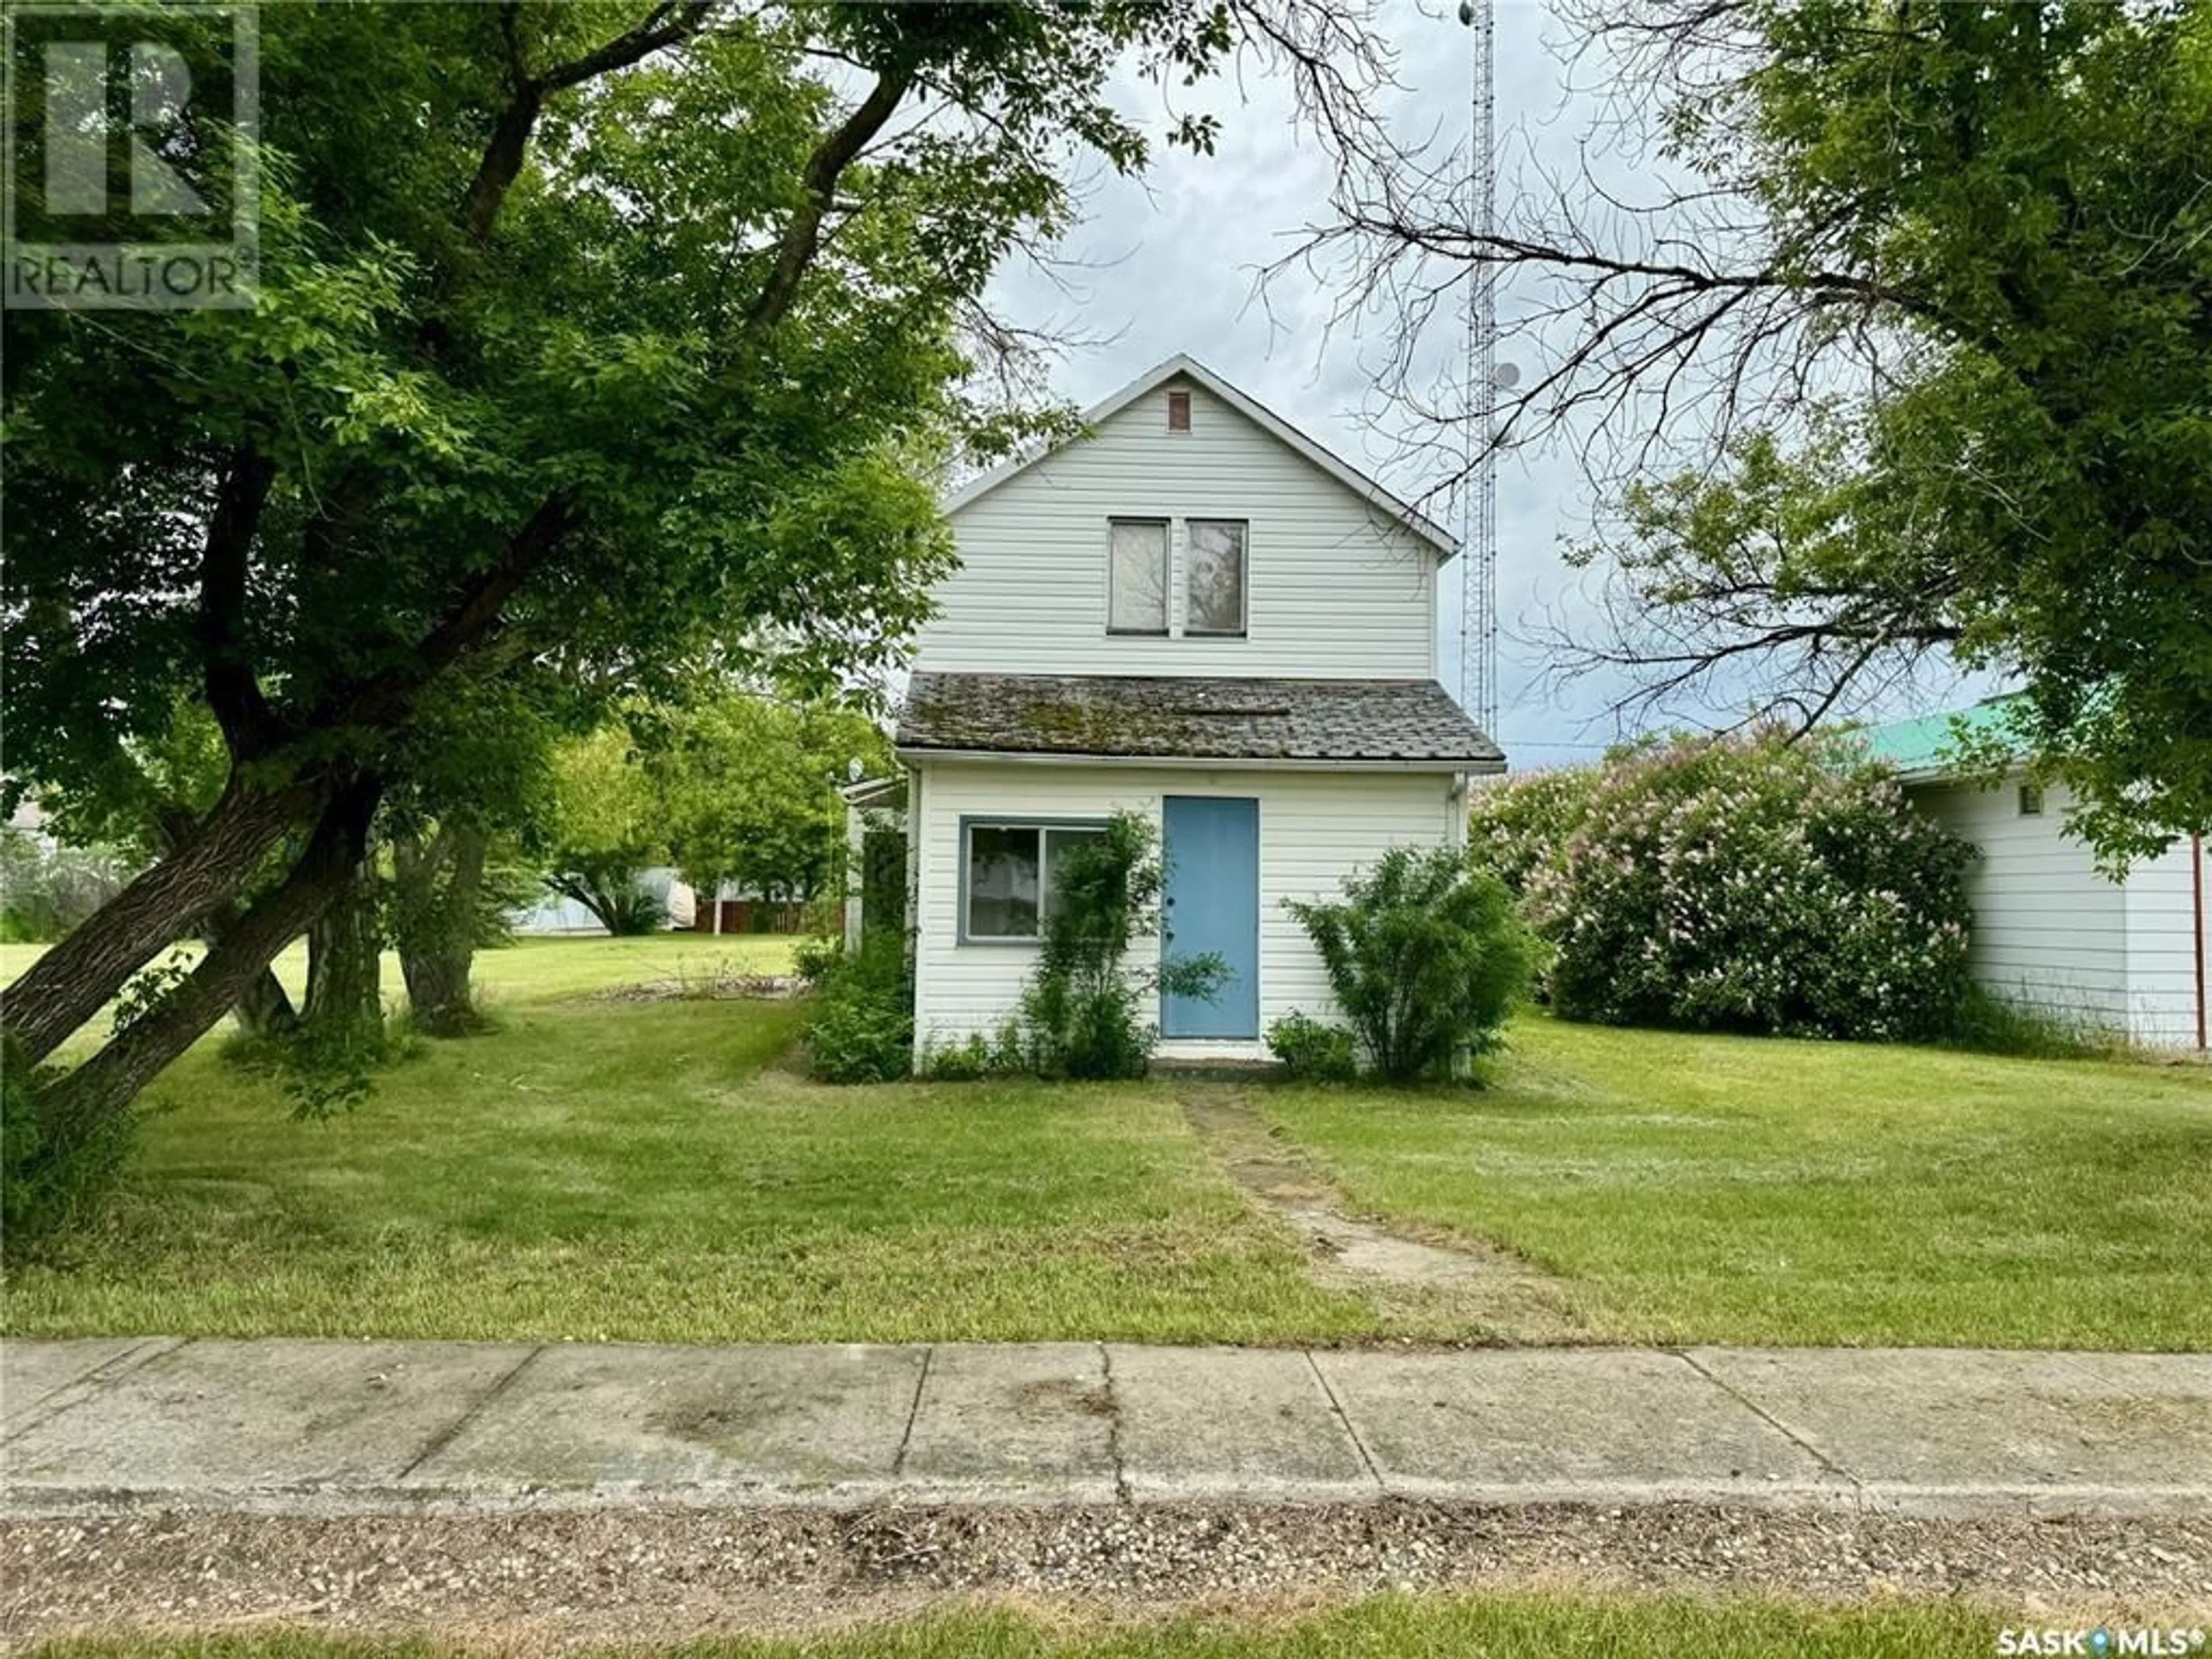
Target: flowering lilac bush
[{"x": 1747, "y": 884}]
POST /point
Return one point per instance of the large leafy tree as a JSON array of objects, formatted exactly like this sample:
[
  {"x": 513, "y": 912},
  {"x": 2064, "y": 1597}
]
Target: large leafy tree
[
  {"x": 749, "y": 790},
  {"x": 590, "y": 336},
  {"x": 1912, "y": 356}
]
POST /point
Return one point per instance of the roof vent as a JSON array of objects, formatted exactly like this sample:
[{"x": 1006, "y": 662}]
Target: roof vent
[{"x": 1178, "y": 412}]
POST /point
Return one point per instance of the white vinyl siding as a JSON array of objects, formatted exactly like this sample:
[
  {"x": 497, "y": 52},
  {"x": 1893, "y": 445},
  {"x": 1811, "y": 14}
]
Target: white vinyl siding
[
  {"x": 1315, "y": 829},
  {"x": 2052, "y": 931},
  {"x": 1334, "y": 589}
]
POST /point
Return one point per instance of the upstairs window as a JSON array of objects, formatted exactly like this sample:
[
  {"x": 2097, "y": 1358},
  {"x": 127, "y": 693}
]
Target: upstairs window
[
  {"x": 2031, "y": 800},
  {"x": 1008, "y": 875},
  {"x": 1214, "y": 602},
  {"x": 1178, "y": 412},
  {"x": 1137, "y": 576}
]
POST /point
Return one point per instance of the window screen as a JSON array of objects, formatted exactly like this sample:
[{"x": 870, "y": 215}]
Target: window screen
[
  {"x": 1137, "y": 576},
  {"x": 1216, "y": 599}
]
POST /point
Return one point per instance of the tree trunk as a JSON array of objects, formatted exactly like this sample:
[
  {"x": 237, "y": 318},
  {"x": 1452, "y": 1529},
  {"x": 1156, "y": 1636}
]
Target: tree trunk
[
  {"x": 344, "y": 1011},
  {"x": 434, "y": 925},
  {"x": 73, "y": 982},
  {"x": 265, "y": 1010},
  {"x": 111, "y": 1079}
]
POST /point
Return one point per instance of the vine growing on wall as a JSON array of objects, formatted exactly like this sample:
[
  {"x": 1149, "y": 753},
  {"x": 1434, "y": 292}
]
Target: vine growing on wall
[{"x": 1084, "y": 1013}]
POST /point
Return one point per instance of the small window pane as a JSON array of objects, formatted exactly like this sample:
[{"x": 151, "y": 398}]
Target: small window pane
[
  {"x": 1002, "y": 881},
  {"x": 1217, "y": 578},
  {"x": 1136, "y": 577},
  {"x": 1058, "y": 844}
]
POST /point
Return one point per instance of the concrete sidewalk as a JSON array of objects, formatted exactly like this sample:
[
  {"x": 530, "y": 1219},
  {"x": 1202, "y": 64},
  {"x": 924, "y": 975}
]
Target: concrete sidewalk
[{"x": 309, "y": 1427}]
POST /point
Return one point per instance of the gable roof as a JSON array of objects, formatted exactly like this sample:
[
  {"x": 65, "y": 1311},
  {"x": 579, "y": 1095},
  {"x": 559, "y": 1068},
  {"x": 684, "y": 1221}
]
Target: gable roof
[
  {"x": 1260, "y": 414},
  {"x": 1193, "y": 717}
]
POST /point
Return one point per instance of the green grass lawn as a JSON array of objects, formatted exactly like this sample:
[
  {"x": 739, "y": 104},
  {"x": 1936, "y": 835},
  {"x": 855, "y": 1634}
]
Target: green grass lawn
[
  {"x": 653, "y": 1170},
  {"x": 1385, "y": 1627},
  {"x": 1719, "y": 1189},
  {"x": 529, "y": 970},
  {"x": 642, "y": 1170}
]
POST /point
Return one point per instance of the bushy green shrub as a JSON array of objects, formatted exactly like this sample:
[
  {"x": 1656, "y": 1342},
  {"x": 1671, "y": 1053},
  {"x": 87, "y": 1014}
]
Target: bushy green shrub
[
  {"x": 977, "y": 1057},
  {"x": 1083, "y": 1012},
  {"x": 51, "y": 1179},
  {"x": 1311, "y": 1052},
  {"x": 813, "y": 960},
  {"x": 1748, "y": 883},
  {"x": 861, "y": 1028},
  {"x": 1426, "y": 957}
]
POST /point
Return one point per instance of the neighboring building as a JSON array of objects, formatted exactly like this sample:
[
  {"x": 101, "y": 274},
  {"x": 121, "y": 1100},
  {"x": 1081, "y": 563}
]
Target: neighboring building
[
  {"x": 553, "y": 914},
  {"x": 1197, "y": 613},
  {"x": 2128, "y": 957}
]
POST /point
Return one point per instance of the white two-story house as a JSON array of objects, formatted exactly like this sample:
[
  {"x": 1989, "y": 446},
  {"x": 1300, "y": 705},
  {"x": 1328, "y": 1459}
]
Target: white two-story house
[{"x": 1198, "y": 613}]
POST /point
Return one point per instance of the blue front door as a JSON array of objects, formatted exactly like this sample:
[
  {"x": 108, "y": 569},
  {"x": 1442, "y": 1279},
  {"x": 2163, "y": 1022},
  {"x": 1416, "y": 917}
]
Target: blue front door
[{"x": 1212, "y": 903}]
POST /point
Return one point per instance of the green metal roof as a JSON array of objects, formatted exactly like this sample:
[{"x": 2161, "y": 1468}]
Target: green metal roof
[{"x": 1929, "y": 746}]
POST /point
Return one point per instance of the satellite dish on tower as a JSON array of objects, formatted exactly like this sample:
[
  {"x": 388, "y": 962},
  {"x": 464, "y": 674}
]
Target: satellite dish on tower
[{"x": 1505, "y": 376}]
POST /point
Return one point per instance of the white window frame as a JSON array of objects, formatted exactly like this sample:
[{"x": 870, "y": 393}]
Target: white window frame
[
  {"x": 1243, "y": 629},
  {"x": 1166, "y": 528},
  {"x": 1044, "y": 827}
]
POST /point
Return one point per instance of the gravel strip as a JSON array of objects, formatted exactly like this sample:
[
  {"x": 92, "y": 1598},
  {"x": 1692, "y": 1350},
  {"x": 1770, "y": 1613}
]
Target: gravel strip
[{"x": 570, "y": 1578}]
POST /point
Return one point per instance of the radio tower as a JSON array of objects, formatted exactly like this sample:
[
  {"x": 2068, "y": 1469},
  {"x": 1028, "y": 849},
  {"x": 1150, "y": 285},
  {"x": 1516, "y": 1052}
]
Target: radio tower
[{"x": 1478, "y": 621}]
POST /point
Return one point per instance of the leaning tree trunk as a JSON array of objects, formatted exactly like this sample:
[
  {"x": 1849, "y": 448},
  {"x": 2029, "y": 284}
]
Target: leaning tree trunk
[
  {"x": 344, "y": 1008},
  {"x": 106, "y": 1084},
  {"x": 265, "y": 1010},
  {"x": 78, "y": 977},
  {"x": 437, "y": 886}
]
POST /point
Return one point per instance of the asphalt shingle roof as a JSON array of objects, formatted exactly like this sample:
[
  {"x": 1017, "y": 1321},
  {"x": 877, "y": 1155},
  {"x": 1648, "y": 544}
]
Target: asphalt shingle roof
[{"x": 1145, "y": 716}]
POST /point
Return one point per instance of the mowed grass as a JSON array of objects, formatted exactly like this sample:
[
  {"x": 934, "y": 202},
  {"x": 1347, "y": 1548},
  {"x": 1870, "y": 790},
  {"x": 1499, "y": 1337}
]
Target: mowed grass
[
  {"x": 599, "y": 1168},
  {"x": 530, "y": 970},
  {"x": 603, "y": 1170},
  {"x": 1734, "y": 1190},
  {"x": 1384, "y": 1628}
]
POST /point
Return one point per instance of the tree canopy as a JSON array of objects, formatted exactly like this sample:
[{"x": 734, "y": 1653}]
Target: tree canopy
[
  {"x": 590, "y": 339},
  {"x": 1913, "y": 357}
]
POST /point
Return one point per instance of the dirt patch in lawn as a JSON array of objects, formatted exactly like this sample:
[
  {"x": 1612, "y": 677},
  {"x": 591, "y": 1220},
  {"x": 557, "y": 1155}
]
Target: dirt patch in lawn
[
  {"x": 716, "y": 985},
  {"x": 1450, "y": 1289}
]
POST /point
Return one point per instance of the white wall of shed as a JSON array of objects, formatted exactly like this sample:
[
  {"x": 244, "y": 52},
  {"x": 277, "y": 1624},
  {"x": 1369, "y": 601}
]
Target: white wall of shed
[{"x": 2053, "y": 932}]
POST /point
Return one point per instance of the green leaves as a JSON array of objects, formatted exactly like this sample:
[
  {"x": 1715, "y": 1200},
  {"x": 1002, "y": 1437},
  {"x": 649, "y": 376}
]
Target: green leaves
[
  {"x": 1749, "y": 885},
  {"x": 1986, "y": 251},
  {"x": 1426, "y": 957}
]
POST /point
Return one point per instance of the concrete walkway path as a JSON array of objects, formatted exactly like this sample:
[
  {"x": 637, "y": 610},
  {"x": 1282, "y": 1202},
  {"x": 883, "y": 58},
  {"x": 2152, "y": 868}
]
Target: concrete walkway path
[{"x": 313, "y": 1427}]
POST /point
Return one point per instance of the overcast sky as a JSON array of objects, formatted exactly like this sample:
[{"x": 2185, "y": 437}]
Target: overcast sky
[{"x": 1171, "y": 264}]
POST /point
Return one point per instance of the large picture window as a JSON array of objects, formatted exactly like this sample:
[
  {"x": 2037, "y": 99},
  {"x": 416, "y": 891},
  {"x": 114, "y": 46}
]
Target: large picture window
[
  {"x": 1137, "y": 576},
  {"x": 1216, "y": 596},
  {"x": 1007, "y": 874}
]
